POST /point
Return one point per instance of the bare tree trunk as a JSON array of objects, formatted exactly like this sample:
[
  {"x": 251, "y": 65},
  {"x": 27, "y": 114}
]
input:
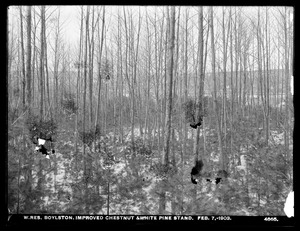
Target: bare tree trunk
[
  {"x": 225, "y": 47},
  {"x": 121, "y": 81},
  {"x": 201, "y": 81},
  {"x": 261, "y": 74},
  {"x": 91, "y": 64},
  {"x": 199, "y": 100},
  {"x": 28, "y": 72},
  {"x": 23, "y": 62},
  {"x": 105, "y": 103},
  {"x": 237, "y": 45},
  {"x": 56, "y": 63},
  {"x": 184, "y": 84},
  {"x": 278, "y": 82},
  {"x": 148, "y": 76},
  {"x": 287, "y": 82},
  {"x": 222, "y": 166},
  {"x": 115, "y": 89},
  {"x": 162, "y": 202},
  {"x": 170, "y": 84},
  {"x": 159, "y": 86},
  {"x": 231, "y": 87},
  {"x": 85, "y": 174},
  {"x": 134, "y": 80},
  {"x": 268, "y": 82},
  {"x": 185, "y": 80},
  {"x": 99, "y": 69},
  {"x": 42, "y": 56},
  {"x": 203, "y": 91},
  {"x": 174, "y": 196},
  {"x": 77, "y": 86},
  {"x": 251, "y": 71},
  {"x": 259, "y": 59},
  {"x": 40, "y": 174},
  {"x": 33, "y": 60},
  {"x": 126, "y": 53},
  {"x": 29, "y": 90},
  {"x": 47, "y": 72}
]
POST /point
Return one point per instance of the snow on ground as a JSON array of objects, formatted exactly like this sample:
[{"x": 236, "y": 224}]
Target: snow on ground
[
  {"x": 64, "y": 179},
  {"x": 70, "y": 143},
  {"x": 278, "y": 137},
  {"x": 243, "y": 150},
  {"x": 169, "y": 207},
  {"x": 60, "y": 174},
  {"x": 148, "y": 189},
  {"x": 119, "y": 167}
]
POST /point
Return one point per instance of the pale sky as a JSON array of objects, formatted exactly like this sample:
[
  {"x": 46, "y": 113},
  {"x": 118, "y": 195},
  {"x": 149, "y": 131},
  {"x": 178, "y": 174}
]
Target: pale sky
[{"x": 70, "y": 21}]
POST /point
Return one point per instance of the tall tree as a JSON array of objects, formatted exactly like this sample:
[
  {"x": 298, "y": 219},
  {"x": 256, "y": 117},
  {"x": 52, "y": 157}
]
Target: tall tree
[
  {"x": 185, "y": 76},
  {"x": 78, "y": 65},
  {"x": 56, "y": 61},
  {"x": 287, "y": 78},
  {"x": 46, "y": 68},
  {"x": 101, "y": 39},
  {"x": 267, "y": 80},
  {"x": 225, "y": 50},
  {"x": 148, "y": 74},
  {"x": 261, "y": 73},
  {"x": 23, "y": 61},
  {"x": 134, "y": 60},
  {"x": 91, "y": 65},
  {"x": 237, "y": 54},
  {"x": 28, "y": 72},
  {"x": 231, "y": 84},
  {"x": 159, "y": 78},
  {"x": 185, "y": 93},
  {"x": 34, "y": 57},
  {"x": 201, "y": 80},
  {"x": 199, "y": 99},
  {"x": 216, "y": 109},
  {"x": 42, "y": 57},
  {"x": 170, "y": 66},
  {"x": 85, "y": 173},
  {"x": 168, "y": 118}
]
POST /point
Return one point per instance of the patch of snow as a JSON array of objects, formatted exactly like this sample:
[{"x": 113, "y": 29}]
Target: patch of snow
[
  {"x": 243, "y": 150},
  {"x": 149, "y": 188},
  {"x": 277, "y": 137},
  {"x": 169, "y": 206},
  {"x": 189, "y": 134},
  {"x": 119, "y": 167},
  {"x": 136, "y": 131},
  {"x": 262, "y": 202},
  {"x": 245, "y": 211},
  {"x": 46, "y": 199},
  {"x": 70, "y": 143}
]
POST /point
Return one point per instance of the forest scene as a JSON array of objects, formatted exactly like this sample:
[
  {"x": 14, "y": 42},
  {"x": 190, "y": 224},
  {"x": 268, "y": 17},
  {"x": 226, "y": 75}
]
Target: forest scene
[{"x": 145, "y": 110}]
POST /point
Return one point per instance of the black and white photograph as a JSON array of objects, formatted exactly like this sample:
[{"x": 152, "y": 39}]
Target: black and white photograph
[{"x": 144, "y": 110}]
